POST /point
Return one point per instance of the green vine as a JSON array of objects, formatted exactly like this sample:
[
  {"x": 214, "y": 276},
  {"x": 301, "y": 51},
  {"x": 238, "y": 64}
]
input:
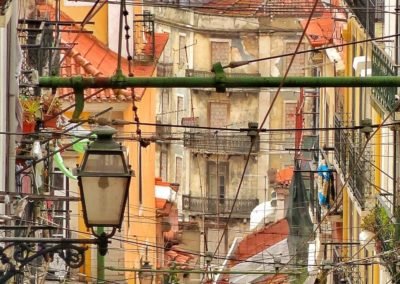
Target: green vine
[{"x": 379, "y": 222}]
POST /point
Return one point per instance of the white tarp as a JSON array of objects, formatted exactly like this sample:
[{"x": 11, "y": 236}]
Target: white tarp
[
  {"x": 335, "y": 57},
  {"x": 280, "y": 249}
]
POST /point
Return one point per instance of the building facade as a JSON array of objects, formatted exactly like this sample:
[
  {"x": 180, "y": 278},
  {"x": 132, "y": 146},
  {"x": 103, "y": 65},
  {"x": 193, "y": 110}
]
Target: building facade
[{"x": 208, "y": 162}]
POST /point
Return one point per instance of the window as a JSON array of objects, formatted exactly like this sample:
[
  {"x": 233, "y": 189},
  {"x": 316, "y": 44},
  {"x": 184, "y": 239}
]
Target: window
[
  {"x": 218, "y": 114},
  {"x": 220, "y": 52},
  {"x": 217, "y": 179},
  {"x": 59, "y": 187},
  {"x": 178, "y": 169},
  {"x": 163, "y": 165},
  {"x": 297, "y": 68},
  {"x": 164, "y": 108},
  {"x": 179, "y": 109},
  {"x": 182, "y": 50}
]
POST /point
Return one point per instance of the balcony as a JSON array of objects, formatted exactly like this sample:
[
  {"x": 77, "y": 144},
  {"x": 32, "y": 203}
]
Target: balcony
[
  {"x": 340, "y": 145},
  {"x": 162, "y": 132},
  {"x": 230, "y": 144},
  {"x": 358, "y": 169},
  {"x": 367, "y": 13},
  {"x": 144, "y": 45},
  {"x": 243, "y": 207},
  {"x": 382, "y": 65},
  {"x": 164, "y": 69}
]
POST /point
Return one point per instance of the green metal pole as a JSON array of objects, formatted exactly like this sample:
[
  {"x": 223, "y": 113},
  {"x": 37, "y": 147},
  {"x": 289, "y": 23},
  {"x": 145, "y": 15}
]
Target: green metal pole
[
  {"x": 100, "y": 261},
  {"x": 121, "y": 81}
]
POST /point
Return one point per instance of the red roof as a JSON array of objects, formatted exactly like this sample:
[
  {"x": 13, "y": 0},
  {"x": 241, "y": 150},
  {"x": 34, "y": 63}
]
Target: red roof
[
  {"x": 261, "y": 240},
  {"x": 167, "y": 209},
  {"x": 320, "y": 30},
  {"x": 251, "y": 8},
  {"x": 90, "y": 57}
]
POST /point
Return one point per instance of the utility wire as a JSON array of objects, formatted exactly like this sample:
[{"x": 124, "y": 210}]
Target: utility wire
[
  {"x": 347, "y": 179},
  {"x": 264, "y": 120},
  {"x": 235, "y": 64}
]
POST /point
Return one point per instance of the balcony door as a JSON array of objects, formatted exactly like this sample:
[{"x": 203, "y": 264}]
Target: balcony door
[{"x": 217, "y": 174}]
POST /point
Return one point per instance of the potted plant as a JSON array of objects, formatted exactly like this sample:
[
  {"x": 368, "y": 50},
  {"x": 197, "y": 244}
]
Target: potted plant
[
  {"x": 31, "y": 107},
  {"x": 51, "y": 107}
]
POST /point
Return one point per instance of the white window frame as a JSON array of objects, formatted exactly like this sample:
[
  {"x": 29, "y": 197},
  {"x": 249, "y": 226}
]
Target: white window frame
[
  {"x": 180, "y": 49},
  {"x": 180, "y": 113},
  {"x": 182, "y": 166}
]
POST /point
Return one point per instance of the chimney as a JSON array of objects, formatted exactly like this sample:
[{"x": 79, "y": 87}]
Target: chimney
[{"x": 281, "y": 194}]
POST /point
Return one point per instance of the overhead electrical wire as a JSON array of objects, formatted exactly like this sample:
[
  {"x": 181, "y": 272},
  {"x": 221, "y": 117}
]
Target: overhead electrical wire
[
  {"x": 347, "y": 179},
  {"x": 264, "y": 121}
]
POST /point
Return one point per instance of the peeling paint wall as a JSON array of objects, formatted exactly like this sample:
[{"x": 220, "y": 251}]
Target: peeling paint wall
[{"x": 247, "y": 39}]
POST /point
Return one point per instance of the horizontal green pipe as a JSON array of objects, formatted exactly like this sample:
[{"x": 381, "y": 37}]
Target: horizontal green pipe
[{"x": 211, "y": 82}]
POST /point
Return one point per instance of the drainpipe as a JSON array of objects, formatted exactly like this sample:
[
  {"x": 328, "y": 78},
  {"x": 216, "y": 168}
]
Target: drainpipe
[
  {"x": 233, "y": 247},
  {"x": 12, "y": 97},
  {"x": 396, "y": 148}
]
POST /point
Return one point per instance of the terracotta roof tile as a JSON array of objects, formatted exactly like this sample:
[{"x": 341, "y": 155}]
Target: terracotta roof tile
[
  {"x": 160, "y": 203},
  {"x": 262, "y": 239},
  {"x": 90, "y": 57},
  {"x": 320, "y": 30}
]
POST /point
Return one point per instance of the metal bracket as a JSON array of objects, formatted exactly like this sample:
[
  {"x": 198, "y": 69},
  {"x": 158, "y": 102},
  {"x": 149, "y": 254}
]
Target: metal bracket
[
  {"x": 79, "y": 97},
  {"x": 25, "y": 253},
  {"x": 220, "y": 77}
]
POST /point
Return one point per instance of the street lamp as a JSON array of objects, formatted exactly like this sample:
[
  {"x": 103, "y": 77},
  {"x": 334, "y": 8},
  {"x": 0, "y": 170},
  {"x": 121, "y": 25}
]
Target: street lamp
[
  {"x": 146, "y": 274},
  {"x": 103, "y": 178}
]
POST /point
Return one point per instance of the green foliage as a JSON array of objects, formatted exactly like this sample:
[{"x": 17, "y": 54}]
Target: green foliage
[
  {"x": 378, "y": 222},
  {"x": 386, "y": 229},
  {"x": 30, "y": 106}
]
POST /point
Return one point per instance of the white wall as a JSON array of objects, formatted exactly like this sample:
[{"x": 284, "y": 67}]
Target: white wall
[{"x": 113, "y": 27}]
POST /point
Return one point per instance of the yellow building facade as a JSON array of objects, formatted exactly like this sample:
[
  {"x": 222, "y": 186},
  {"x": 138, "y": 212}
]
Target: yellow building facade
[{"x": 137, "y": 240}]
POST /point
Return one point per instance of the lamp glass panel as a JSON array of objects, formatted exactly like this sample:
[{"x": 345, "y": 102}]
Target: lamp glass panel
[
  {"x": 104, "y": 199},
  {"x": 146, "y": 277},
  {"x": 104, "y": 163}
]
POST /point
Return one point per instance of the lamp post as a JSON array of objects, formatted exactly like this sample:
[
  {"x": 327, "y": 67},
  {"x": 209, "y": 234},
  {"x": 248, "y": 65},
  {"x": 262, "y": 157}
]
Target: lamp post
[{"x": 103, "y": 177}]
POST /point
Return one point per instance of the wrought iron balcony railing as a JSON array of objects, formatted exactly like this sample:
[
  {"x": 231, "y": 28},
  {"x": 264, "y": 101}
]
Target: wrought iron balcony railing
[
  {"x": 382, "y": 65},
  {"x": 162, "y": 131},
  {"x": 207, "y": 142},
  {"x": 366, "y": 12},
  {"x": 164, "y": 69},
  {"x": 358, "y": 169},
  {"x": 221, "y": 206},
  {"x": 144, "y": 45},
  {"x": 340, "y": 145}
]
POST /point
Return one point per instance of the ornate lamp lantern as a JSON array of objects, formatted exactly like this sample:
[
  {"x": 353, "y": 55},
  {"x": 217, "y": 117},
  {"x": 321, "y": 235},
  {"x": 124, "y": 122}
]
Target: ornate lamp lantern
[{"x": 104, "y": 178}]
